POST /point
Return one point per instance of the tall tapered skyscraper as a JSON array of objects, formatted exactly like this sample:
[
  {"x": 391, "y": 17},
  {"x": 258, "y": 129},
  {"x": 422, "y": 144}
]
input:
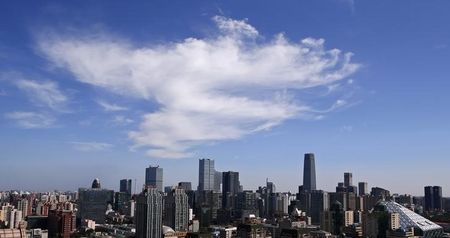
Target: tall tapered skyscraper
[{"x": 309, "y": 172}]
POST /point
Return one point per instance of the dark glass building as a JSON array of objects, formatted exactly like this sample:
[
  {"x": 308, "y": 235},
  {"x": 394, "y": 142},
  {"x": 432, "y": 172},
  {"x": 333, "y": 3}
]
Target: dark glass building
[
  {"x": 230, "y": 188},
  {"x": 125, "y": 186},
  {"x": 154, "y": 177},
  {"x": 309, "y": 172},
  {"x": 362, "y": 188},
  {"x": 348, "y": 179},
  {"x": 206, "y": 175},
  {"x": 319, "y": 204},
  {"x": 437, "y": 198},
  {"x": 428, "y": 204},
  {"x": 433, "y": 198}
]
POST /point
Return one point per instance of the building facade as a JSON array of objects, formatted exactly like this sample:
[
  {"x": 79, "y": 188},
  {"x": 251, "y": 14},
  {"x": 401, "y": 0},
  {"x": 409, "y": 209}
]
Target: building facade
[
  {"x": 148, "y": 214},
  {"x": 206, "y": 175}
]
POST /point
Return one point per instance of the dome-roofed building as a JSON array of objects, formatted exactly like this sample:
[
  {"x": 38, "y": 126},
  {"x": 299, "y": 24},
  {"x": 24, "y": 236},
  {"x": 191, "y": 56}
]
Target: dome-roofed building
[
  {"x": 96, "y": 183},
  {"x": 167, "y": 229}
]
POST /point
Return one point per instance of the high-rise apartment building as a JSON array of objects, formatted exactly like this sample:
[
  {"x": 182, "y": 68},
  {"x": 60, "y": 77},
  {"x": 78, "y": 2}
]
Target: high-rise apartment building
[
  {"x": 149, "y": 213},
  {"x": 206, "y": 175},
  {"x": 23, "y": 205},
  {"x": 61, "y": 223},
  {"x": 154, "y": 177},
  {"x": 309, "y": 172},
  {"x": 176, "y": 213}
]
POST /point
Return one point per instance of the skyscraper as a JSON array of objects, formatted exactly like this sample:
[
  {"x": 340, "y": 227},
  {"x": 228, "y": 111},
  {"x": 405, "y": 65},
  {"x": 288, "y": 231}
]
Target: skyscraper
[
  {"x": 217, "y": 181},
  {"x": 149, "y": 213},
  {"x": 348, "y": 179},
  {"x": 428, "y": 198},
  {"x": 319, "y": 204},
  {"x": 362, "y": 188},
  {"x": 230, "y": 188},
  {"x": 154, "y": 177},
  {"x": 125, "y": 186},
  {"x": 230, "y": 182},
  {"x": 437, "y": 198},
  {"x": 176, "y": 213},
  {"x": 309, "y": 173},
  {"x": 206, "y": 174},
  {"x": 433, "y": 198}
]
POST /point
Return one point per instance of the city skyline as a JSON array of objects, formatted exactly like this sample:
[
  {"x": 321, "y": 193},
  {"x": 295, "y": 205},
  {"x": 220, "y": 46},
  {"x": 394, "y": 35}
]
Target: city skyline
[
  {"x": 308, "y": 162},
  {"x": 106, "y": 92}
]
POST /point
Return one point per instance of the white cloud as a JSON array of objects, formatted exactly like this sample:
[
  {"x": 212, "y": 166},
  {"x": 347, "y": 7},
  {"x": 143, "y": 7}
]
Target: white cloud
[
  {"x": 90, "y": 146},
  {"x": 212, "y": 89},
  {"x": 43, "y": 93},
  {"x": 30, "y": 120},
  {"x": 122, "y": 120},
  {"x": 109, "y": 107},
  {"x": 235, "y": 28}
]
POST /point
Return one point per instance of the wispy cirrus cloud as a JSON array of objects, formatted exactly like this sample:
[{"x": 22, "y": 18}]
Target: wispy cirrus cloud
[
  {"x": 110, "y": 107},
  {"x": 31, "y": 120},
  {"x": 43, "y": 93},
  {"x": 215, "y": 88},
  {"x": 90, "y": 146},
  {"x": 121, "y": 120}
]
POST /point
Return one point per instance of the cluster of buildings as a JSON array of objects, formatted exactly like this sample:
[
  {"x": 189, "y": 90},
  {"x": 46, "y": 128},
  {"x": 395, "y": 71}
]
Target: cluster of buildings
[
  {"x": 37, "y": 214},
  {"x": 220, "y": 207}
]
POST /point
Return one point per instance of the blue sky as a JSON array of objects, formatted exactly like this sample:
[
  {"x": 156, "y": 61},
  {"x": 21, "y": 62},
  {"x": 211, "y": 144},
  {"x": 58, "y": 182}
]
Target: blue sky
[{"x": 106, "y": 88}]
